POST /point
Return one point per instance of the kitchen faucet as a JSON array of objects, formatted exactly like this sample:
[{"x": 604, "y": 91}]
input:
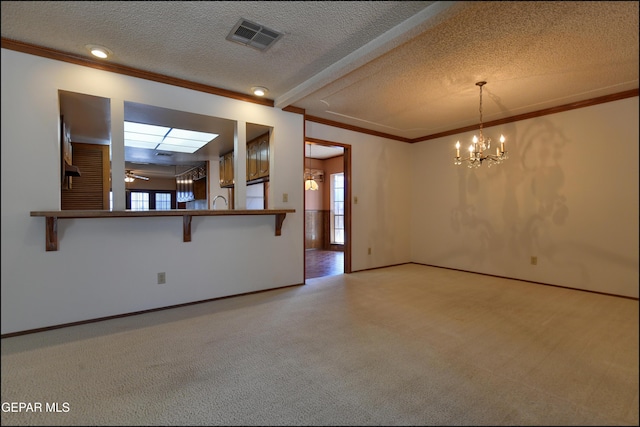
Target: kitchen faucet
[{"x": 213, "y": 204}]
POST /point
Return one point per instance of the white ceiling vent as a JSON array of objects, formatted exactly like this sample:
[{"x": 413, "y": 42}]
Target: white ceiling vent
[{"x": 253, "y": 35}]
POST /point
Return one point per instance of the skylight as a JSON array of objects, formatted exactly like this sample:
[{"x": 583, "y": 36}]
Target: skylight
[{"x": 151, "y": 137}]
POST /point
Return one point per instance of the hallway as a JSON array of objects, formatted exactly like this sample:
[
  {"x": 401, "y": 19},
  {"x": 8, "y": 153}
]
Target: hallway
[{"x": 321, "y": 263}]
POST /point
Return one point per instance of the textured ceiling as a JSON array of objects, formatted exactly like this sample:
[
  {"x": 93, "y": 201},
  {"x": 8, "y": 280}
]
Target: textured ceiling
[
  {"x": 534, "y": 55},
  {"x": 404, "y": 68}
]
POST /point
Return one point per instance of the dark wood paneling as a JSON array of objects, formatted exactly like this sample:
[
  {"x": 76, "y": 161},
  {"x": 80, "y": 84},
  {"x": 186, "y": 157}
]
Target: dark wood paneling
[{"x": 314, "y": 233}]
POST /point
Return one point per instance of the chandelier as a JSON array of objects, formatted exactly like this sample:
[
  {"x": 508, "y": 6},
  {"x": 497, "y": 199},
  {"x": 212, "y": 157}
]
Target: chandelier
[
  {"x": 309, "y": 180},
  {"x": 477, "y": 153}
]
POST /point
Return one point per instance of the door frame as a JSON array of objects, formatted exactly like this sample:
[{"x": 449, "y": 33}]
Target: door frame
[{"x": 347, "y": 197}]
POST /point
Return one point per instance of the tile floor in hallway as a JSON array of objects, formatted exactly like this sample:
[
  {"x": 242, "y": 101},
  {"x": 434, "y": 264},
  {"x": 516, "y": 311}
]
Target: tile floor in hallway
[{"x": 321, "y": 263}]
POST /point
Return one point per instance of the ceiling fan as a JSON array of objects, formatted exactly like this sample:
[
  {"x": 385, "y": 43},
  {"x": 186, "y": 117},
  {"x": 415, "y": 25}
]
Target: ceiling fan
[{"x": 130, "y": 176}]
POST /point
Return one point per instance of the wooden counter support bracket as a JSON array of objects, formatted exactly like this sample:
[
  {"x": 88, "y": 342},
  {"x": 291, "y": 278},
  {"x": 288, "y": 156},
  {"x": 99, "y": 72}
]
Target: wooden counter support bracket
[
  {"x": 279, "y": 220},
  {"x": 53, "y": 216},
  {"x": 186, "y": 228},
  {"x": 52, "y": 233}
]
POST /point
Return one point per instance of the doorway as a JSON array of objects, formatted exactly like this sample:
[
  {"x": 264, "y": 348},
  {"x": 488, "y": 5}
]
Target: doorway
[{"x": 327, "y": 220}]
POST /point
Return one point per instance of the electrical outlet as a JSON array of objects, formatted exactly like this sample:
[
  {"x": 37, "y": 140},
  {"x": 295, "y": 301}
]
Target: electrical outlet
[
  {"x": 285, "y": 197},
  {"x": 534, "y": 260},
  {"x": 355, "y": 200},
  {"x": 369, "y": 251},
  {"x": 162, "y": 278}
]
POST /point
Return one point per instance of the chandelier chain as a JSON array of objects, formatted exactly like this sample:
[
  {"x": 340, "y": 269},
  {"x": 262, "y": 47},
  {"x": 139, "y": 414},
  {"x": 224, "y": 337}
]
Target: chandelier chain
[{"x": 481, "y": 110}]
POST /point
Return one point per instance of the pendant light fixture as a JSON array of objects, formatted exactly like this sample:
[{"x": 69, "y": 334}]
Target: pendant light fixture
[
  {"x": 309, "y": 181},
  {"x": 477, "y": 154}
]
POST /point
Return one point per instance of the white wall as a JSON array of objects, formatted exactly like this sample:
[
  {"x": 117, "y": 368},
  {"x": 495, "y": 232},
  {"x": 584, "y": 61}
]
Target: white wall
[
  {"x": 381, "y": 183},
  {"x": 107, "y": 267},
  {"x": 568, "y": 195}
]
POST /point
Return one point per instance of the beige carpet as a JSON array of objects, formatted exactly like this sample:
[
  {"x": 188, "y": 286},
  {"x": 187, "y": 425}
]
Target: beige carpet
[{"x": 404, "y": 345}]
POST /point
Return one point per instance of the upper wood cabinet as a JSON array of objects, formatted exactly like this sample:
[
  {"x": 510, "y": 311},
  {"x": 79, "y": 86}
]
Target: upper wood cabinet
[
  {"x": 200, "y": 189},
  {"x": 258, "y": 159},
  {"x": 226, "y": 170}
]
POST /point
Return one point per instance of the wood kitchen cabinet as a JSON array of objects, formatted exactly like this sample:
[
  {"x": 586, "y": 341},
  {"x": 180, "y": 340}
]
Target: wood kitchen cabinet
[
  {"x": 226, "y": 170},
  {"x": 91, "y": 189},
  {"x": 258, "y": 159},
  {"x": 200, "y": 189}
]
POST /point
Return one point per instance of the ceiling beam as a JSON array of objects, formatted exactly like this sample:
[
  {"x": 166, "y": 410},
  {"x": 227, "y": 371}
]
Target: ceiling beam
[{"x": 429, "y": 17}]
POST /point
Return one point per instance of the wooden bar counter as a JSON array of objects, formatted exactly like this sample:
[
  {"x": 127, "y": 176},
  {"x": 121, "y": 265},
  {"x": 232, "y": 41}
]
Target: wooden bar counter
[{"x": 186, "y": 214}]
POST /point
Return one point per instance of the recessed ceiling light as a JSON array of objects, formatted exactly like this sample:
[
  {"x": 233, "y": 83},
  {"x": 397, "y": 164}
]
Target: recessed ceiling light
[
  {"x": 259, "y": 90},
  {"x": 99, "y": 51}
]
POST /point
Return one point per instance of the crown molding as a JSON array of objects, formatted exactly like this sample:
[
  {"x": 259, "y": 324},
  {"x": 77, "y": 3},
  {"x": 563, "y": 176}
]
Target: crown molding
[
  {"x": 133, "y": 72},
  {"x": 128, "y": 71}
]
